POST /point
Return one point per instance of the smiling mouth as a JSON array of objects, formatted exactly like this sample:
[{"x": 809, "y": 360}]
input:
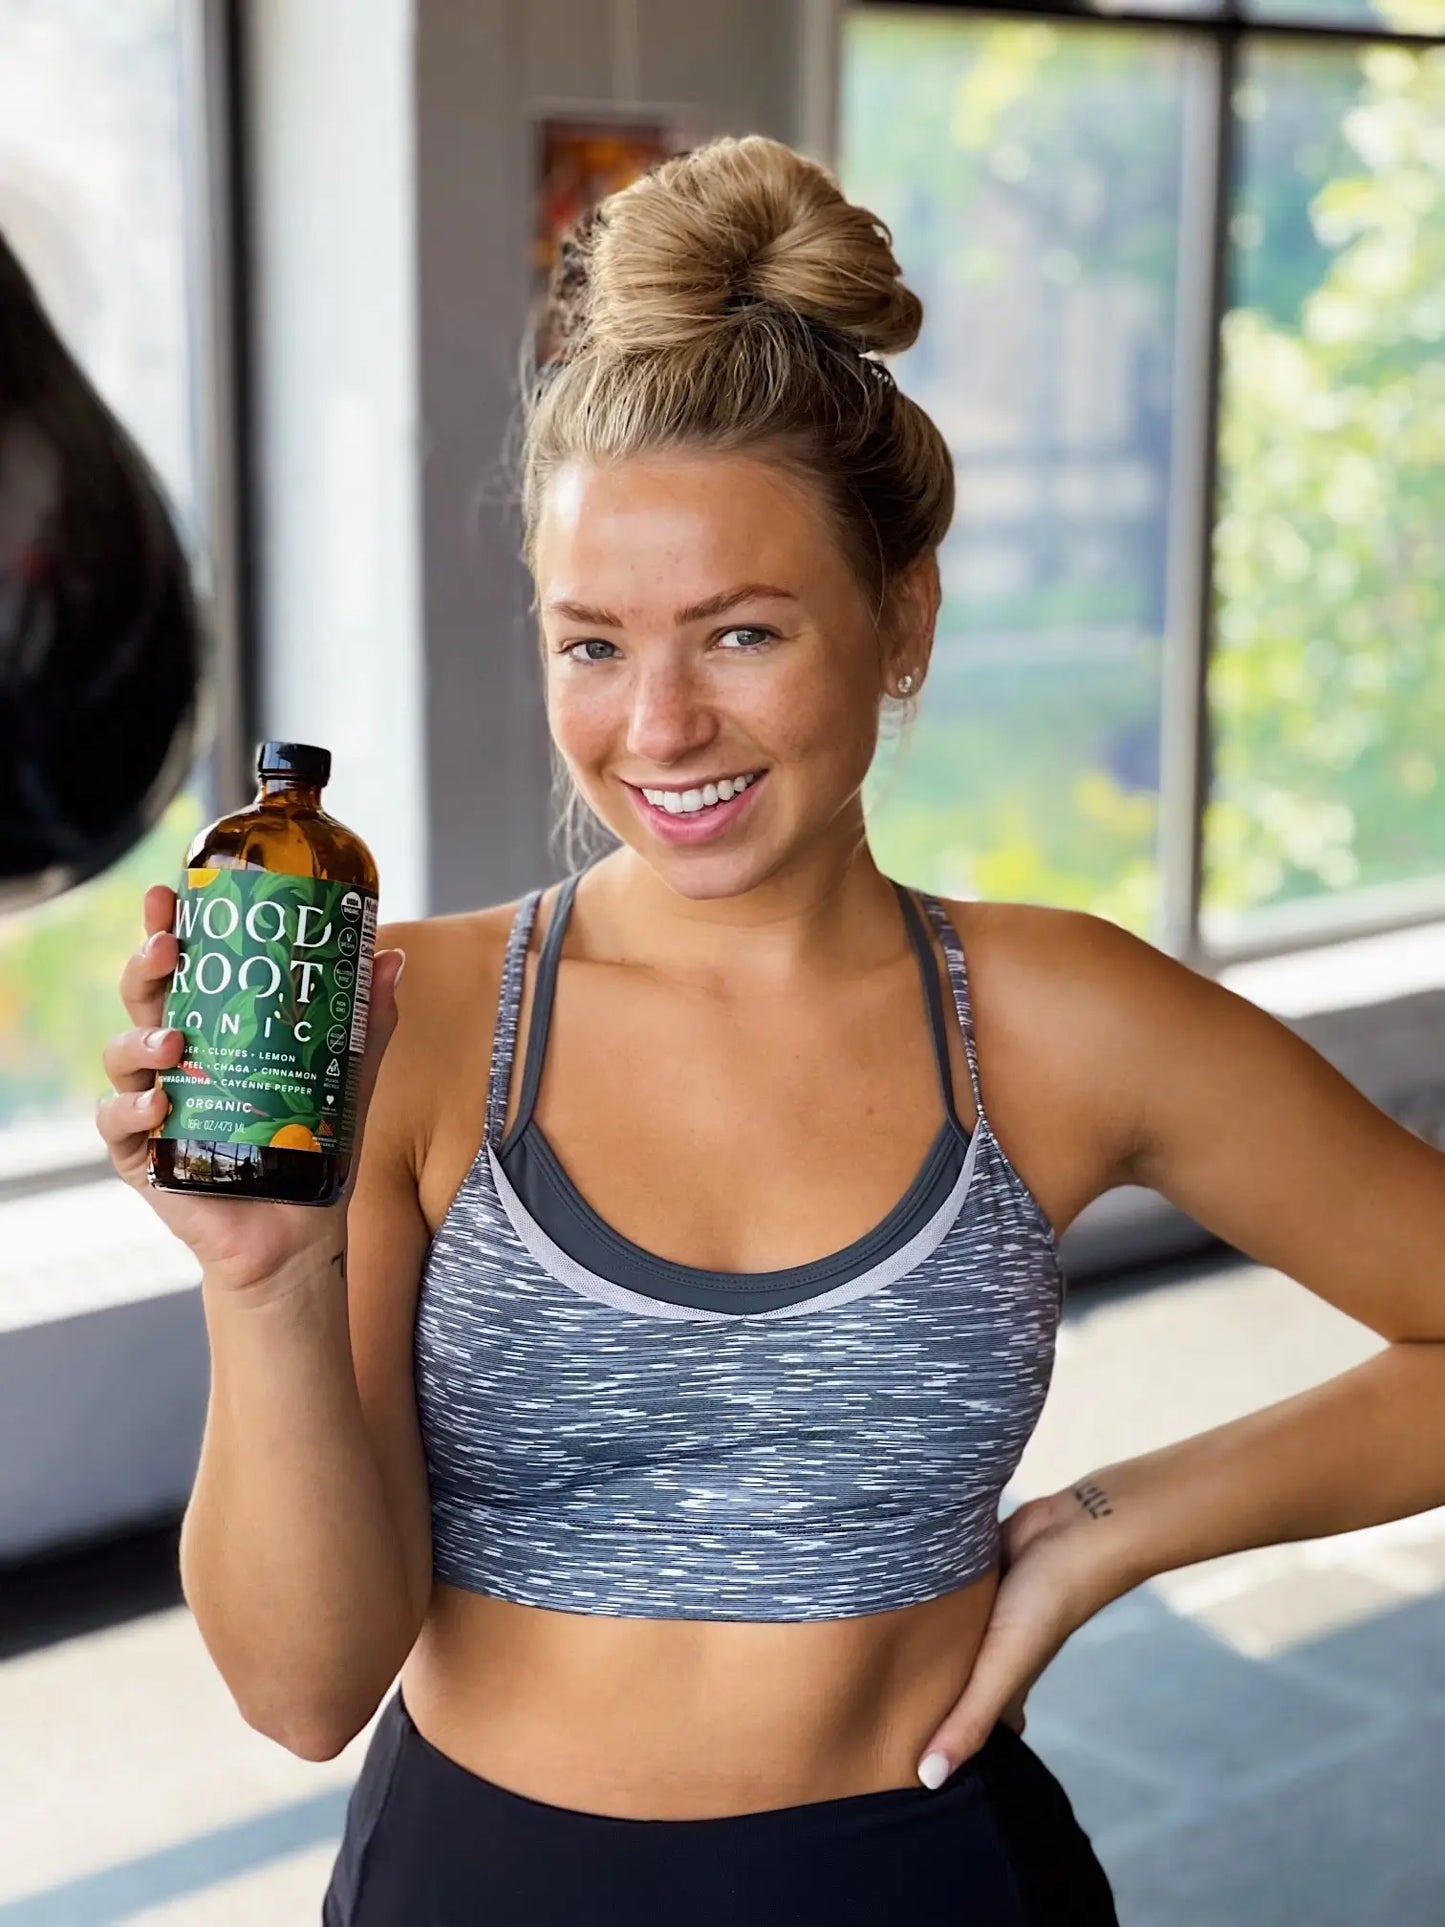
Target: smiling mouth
[{"x": 694, "y": 799}]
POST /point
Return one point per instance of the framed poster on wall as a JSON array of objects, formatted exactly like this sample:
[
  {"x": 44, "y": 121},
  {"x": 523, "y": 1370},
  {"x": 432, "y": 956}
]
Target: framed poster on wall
[{"x": 582, "y": 154}]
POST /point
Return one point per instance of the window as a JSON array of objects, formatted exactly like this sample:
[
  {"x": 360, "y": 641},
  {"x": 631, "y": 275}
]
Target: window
[
  {"x": 1327, "y": 678},
  {"x": 101, "y": 194},
  {"x": 1094, "y": 732}
]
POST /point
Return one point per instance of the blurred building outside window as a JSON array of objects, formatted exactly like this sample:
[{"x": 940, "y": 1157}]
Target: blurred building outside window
[{"x": 1032, "y": 172}]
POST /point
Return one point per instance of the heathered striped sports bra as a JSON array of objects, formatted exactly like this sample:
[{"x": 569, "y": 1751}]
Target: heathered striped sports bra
[{"x": 660, "y": 1441}]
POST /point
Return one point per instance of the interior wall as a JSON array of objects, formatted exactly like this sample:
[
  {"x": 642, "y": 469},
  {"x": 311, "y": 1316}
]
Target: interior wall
[
  {"x": 390, "y": 174},
  {"x": 483, "y": 73},
  {"x": 330, "y": 285}
]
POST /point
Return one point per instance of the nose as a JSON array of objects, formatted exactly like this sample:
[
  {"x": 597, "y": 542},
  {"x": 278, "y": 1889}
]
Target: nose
[{"x": 669, "y": 717}]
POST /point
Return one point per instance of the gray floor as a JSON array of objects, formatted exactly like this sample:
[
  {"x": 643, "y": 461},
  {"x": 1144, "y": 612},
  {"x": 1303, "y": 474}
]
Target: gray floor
[{"x": 1253, "y": 1740}]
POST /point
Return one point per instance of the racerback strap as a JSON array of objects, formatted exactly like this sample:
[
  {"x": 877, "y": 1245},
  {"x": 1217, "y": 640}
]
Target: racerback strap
[
  {"x": 958, "y": 977},
  {"x": 509, "y": 1003},
  {"x": 543, "y": 993}
]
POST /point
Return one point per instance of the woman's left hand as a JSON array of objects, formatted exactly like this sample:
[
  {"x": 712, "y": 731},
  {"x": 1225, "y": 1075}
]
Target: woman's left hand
[{"x": 1045, "y": 1593}]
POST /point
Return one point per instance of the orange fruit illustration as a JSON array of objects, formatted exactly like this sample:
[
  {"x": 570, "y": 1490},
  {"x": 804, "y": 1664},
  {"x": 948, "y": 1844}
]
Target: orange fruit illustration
[{"x": 294, "y": 1137}]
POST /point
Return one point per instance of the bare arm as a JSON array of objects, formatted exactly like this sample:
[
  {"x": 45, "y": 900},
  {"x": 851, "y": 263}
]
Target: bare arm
[
  {"x": 1226, "y": 1111},
  {"x": 306, "y": 1550},
  {"x": 1191, "y": 1090}
]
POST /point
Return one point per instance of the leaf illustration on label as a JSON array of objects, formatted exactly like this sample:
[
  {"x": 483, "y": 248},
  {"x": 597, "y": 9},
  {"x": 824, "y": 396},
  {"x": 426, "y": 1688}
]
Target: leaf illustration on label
[{"x": 252, "y": 993}]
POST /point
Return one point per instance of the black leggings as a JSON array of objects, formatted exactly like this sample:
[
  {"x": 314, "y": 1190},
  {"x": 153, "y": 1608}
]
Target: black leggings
[{"x": 428, "y": 1843}]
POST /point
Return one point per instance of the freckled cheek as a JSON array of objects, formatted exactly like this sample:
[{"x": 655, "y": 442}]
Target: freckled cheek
[
  {"x": 815, "y": 718},
  {"x": 585, "y": 723}
]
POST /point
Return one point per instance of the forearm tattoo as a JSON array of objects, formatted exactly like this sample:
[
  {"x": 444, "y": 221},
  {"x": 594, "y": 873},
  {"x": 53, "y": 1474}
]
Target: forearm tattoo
[
  {"x": 338, "y": 1258},
  {"x": 1093, "y": 1498}
]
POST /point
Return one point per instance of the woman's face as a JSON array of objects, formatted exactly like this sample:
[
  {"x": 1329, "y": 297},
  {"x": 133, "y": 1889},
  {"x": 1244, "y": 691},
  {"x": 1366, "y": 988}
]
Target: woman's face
[{"x": 700, "y": 625}]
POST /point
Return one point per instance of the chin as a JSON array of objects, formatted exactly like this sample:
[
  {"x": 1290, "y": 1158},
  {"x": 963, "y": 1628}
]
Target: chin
[
  {"x": 702, "y": 883},
  {"x": 698, "y": 873}
]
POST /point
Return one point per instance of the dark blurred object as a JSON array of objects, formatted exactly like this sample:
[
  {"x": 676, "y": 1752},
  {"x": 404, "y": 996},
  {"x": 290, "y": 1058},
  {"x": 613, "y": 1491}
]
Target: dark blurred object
[{"x": 100, "y": 640}]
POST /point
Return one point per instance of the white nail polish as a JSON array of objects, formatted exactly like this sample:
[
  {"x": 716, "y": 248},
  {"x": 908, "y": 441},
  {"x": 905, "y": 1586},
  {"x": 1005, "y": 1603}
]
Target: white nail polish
[{"x": 933, "y": 1770}]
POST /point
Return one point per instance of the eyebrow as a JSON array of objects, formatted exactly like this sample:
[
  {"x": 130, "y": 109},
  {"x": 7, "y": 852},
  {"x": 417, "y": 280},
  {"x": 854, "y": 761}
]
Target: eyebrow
[{"x": 694, "y": 612}]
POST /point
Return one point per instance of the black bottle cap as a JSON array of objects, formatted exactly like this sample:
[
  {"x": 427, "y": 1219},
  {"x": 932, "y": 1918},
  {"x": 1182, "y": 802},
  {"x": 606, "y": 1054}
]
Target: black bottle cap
[{"x": 304, "y": 761}]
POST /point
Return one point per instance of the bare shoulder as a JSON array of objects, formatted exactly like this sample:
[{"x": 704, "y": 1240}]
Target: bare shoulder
[
  {"x": 1059, "y": 998},
  {"x": 432, "y": 1087},
  {"x": 439, "y": 949},
  {"x": 1203, "y": 1095}
]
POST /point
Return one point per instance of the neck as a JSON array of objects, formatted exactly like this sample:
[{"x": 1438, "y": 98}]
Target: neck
[{"x": 827, "y": 911}]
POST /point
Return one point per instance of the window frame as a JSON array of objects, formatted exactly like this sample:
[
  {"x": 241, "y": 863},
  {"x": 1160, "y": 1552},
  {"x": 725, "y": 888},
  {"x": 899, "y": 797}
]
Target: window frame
[
  {"x": 218, "y": 346},
  {"x": 1213, "y": 44}
]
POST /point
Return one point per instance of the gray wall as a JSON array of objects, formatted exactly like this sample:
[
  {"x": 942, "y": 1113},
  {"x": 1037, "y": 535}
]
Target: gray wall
[
  {"x": 483, "y": 70},
  {"x": 390, "y": 175},
  {"x": 332, "y": 292}
]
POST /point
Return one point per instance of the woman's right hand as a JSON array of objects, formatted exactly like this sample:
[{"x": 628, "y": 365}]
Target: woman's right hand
[{"x": 240, "y": 1243}]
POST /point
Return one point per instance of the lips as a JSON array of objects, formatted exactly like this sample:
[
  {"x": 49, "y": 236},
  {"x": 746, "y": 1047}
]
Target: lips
[{"x": 697, "y": 826}]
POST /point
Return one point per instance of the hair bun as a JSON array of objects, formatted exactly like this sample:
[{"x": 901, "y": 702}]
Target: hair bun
[{"x": 740, "y": 223}]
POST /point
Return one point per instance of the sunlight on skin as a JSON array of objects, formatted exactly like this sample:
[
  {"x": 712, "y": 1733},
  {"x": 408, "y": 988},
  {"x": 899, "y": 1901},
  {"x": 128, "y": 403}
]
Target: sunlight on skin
[{"x": 787, "y": 683}]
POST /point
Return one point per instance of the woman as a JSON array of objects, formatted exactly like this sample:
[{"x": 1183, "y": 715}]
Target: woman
[{"x": 650, "y": 1417}]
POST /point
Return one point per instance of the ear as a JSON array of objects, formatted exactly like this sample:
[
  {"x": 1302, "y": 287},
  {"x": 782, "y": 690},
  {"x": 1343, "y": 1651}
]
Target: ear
[{"x": 913, "y": 617}]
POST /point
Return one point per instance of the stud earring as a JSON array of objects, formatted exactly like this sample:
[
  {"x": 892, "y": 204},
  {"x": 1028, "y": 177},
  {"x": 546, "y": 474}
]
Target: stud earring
[{"x": 905, "y": 684}]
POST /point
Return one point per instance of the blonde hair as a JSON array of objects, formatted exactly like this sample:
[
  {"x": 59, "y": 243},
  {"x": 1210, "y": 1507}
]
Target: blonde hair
[{"x": 734, "y": 299}]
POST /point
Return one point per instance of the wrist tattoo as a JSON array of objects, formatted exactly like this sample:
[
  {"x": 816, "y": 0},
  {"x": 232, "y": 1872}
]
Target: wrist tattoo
[{"x": 1093, "y": 1498}]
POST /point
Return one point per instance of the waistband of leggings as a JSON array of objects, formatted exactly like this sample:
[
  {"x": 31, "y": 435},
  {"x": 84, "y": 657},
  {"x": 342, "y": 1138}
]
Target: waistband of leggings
[{"x": 964, "y": 1787}]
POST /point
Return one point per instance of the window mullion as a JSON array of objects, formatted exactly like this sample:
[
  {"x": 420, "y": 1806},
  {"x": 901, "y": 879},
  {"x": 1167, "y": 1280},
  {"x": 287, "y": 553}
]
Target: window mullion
[{"x": 1205, "y": 194}]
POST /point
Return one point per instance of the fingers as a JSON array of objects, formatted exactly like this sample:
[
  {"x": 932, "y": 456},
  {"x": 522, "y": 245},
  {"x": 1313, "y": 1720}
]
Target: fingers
[
  {"x": 147, "y": 971},
  {"x": 1004, "y": 1671},
  {"x": 132, "y": 1057},
  {"x": 126, "y": 1122},
  {"x": 386, "y": 968},
  {"x": 158, "y": 908},
  {"x": 381, "y": 1019}
]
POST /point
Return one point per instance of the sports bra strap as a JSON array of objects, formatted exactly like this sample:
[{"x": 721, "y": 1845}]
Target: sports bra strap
[
  {"x": 513, "y": 974},
  {"x": 958, "y": 977},
  {"x": 509, "y": 1003},
  {"x": 542, "y": 1000},
  {"x": 928, "y": 970}
]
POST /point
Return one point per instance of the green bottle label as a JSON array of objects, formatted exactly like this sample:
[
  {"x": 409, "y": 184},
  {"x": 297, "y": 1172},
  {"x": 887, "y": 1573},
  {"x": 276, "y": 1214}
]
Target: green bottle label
[{"x": 271, "y": 991}]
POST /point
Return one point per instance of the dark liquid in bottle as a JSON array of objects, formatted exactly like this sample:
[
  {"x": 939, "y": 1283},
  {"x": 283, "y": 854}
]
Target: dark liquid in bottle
[{"x": 283, "y": 833}]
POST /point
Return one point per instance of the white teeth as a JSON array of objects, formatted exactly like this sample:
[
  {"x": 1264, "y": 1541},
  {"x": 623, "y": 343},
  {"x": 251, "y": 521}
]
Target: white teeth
[{"x": 689, "y": 802}]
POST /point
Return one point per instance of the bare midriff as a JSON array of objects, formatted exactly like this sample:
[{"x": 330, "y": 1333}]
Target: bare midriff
[{"x": 688, "y": 1719}]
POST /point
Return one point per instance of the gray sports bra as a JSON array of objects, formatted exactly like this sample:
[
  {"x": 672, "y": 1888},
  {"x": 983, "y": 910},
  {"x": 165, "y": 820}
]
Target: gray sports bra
[
  {"x": 553, "y": 1201},
  {"x": 611, "y": 1433}
]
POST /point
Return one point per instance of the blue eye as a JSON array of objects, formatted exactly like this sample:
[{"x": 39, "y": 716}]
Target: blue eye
[{"x": 762, "y": 638}]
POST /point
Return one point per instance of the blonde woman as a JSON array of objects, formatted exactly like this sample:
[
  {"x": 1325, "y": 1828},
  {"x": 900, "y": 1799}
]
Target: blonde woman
[{"x": 648, "y": 1406}]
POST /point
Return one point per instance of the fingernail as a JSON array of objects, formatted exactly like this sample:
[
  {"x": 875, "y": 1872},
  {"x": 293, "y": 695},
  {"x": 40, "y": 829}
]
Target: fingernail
[
  {"x": 933, "y": 1769},
  {"x": 157, "y": 1039},
  {"x": 400, "y": 967},
  {"x": 152, "y": 943},
  {"x": 144, "y": 1098}
]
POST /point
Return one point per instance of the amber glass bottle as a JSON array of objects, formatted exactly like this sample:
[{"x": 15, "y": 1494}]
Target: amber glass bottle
[{"x": 276, "y": 921}]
